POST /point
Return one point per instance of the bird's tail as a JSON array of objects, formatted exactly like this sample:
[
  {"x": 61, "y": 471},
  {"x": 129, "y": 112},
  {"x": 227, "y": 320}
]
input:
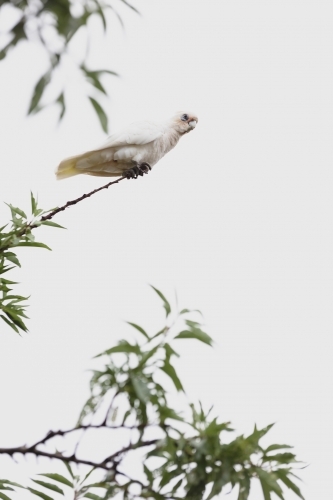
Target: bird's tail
[{"x": 67, "y": 168}]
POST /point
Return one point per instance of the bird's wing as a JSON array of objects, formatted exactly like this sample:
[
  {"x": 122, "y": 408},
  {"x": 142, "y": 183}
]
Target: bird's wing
[{"x": 136, "y": 133}]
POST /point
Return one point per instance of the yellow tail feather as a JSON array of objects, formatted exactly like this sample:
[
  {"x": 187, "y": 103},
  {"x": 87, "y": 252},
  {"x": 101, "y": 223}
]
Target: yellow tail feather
[{"x": 67, "y": 169}]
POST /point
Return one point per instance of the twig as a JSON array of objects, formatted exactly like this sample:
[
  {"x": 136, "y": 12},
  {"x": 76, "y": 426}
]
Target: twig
[
  {"x": 74, "y": 202},
  {"x": 57, "y": 456},
  {"x": 26, "y": 229},
  {"x": 53, "y": 434},
  {"x": 130, "y": 447},
  {"x": 110, "y": 408},
  {"x": 107, "y": 464}
]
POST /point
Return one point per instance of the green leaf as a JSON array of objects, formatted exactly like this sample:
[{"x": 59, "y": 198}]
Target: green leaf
[
  {"x": 38, "y": 92},
  {"x": 166, "y": 304},
  {"x": 100, "y": 113},
  {"x": 170, "y": 352},
  {"x": 17, "y": 211},
  {"x": 218, "y": 485},
  {"x": 244, "y": 488},
  {"x": 69, "y": 468},
  {"x": 139, "y": 328},
  {"x": 6, "y": 481},
  {"x": 6, "y": 320},
  {"x": 50, "y": 486},
  {"x": 177, "y": 485},
  {"x": 93, "y": 496},
  {"x": 195, "y": 334},
  {"x": 13, "y": 315},
  {"x": 268, "y": 480},
  {"x": 130, "y": 6},
  {"x": 273, "y": 447},
  {"x": 141, "y": 389},
  {"x": 214, "y": 429},
  {"x": 33, "y": 204},
  {"x": 12, "y": 257},
  {"x": 147, "y": 355},
  {"x": 161, "y": 332},
  {"x": 95, "y": 485},
  {"x": 265, "y": 490},
  {"x": 59, "y": 478},
  {"x": 106, "y": 71},
  {"x": 282, "y": 458},
  {"x": 95, "y": 81},
  {"x": 283, "y": 476},
  {"x": 166, "y": 412},
  {"x": 86, "y": 477},
  {"x": 32, "y": 244},
  {"x": 53, "y": 224},
  {"x": 61, "y": 101},
  {"x": 3, "y": 496},
  {"x": 148, "y": 473},
  {"x": 171, "y": 372},
  {"x": 126, "y": 415},
  {"x": 123, "y": 346},
  {"x": 185, "y": 311},
  {"x": 40, "y": 494}
]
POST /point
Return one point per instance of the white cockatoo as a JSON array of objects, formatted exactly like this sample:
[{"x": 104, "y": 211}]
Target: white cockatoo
[{"x": 132, "y": 152}]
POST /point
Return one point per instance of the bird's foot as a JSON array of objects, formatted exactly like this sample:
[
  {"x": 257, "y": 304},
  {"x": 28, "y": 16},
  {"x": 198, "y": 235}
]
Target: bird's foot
[
  {"x": 145, "y": 168},
  {"x": 139, "y": 169}
]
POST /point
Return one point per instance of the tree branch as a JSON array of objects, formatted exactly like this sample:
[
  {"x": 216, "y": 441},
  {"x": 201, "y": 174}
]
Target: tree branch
[
  {"x": 107, "y": 464},
  {"x": 77, "y": 200},
  {"x": 130, "y": 447},
  {"x": 53, "y": 434}
]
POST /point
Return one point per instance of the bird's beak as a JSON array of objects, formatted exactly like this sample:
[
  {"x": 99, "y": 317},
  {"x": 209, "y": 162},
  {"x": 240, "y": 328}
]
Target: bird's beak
[{"x": 192, "y": 123}]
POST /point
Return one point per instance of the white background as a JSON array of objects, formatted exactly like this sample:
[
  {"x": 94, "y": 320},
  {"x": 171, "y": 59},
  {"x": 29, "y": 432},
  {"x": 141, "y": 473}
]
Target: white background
[{"x": 237, "y": 219}]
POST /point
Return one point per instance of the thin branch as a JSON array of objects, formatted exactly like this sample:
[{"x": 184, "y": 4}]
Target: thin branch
[
  {"x": 77, "y": 200},
  {"x": 108, "y": 464},
  {"x": 130, "y": 447},
  {"x": 53, "y": 434},
  {"x": 54, "y": 212},
  {"x": 110, "y": 408}
]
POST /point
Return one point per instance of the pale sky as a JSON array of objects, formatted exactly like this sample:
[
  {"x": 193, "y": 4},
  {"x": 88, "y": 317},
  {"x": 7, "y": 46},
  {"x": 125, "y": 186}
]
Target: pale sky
[{"x": 237, "y": 218}]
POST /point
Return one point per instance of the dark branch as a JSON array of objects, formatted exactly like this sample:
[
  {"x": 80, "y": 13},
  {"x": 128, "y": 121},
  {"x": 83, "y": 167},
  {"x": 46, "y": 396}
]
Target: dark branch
[
  {"x": 130, "y": 447},
  {"x": 56, "y": 456},
  {"x": 26, "y": 229},
  {"x": 108, "y": 464},
  {"x": 53, "y": 434},
  {"x": 74, "y": 202}
]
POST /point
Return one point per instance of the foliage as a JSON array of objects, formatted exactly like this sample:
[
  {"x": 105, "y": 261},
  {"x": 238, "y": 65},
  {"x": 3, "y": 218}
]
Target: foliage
[
  {"x": 13, "y": 306},
  {"x": 53, "y": 24},
  {"x": 188, "y": 454}
]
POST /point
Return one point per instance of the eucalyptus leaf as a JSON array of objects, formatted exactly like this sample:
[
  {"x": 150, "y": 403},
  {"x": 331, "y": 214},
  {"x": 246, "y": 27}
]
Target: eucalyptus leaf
[
  {"x": 59, "y": 478},
  {"x": 49, "y": 486},
  {"x": 103, "y": 119},
  {"x": 195, "y": 334},
  {"x": 40, "y": 494},
  {"x": 166, "y": 304},
  {"x": 139, "y": 328}
]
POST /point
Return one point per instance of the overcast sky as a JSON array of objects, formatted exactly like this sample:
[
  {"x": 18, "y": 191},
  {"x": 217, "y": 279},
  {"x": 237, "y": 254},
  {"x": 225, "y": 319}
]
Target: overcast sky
[{"x": 237, "y": 218}]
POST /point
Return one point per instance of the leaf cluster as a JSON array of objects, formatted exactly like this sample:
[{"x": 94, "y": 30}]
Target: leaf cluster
[
  {"x": 188, "y": 454},
  {"x": 34, "y": 22},
  {"x": 18, "y": 233}
]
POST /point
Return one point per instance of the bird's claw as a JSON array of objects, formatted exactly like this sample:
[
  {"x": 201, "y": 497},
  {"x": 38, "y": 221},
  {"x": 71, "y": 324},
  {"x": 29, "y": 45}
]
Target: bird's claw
[{"x": 139, "y": 169}]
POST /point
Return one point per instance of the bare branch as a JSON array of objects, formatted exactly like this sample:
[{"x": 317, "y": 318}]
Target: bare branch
[
  {"x": 108, "y": 464},
  {"x": 77, "y": 200},
  {"x": 130, "y": 447}
]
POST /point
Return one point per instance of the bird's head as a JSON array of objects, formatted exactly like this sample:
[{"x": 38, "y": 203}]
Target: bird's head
[{"x": 184, "y": 122}]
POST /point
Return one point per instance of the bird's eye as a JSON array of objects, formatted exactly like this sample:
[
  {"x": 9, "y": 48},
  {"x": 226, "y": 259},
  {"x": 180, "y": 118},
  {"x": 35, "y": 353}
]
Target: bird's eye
[{"x": 184, "y": 118}]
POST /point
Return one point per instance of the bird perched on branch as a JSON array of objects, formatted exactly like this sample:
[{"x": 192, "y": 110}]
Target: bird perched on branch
[{"x": 132, "y": 152}]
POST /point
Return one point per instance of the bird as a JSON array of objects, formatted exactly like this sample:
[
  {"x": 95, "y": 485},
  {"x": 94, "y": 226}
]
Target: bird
[{"x": 131, "y": 152}]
